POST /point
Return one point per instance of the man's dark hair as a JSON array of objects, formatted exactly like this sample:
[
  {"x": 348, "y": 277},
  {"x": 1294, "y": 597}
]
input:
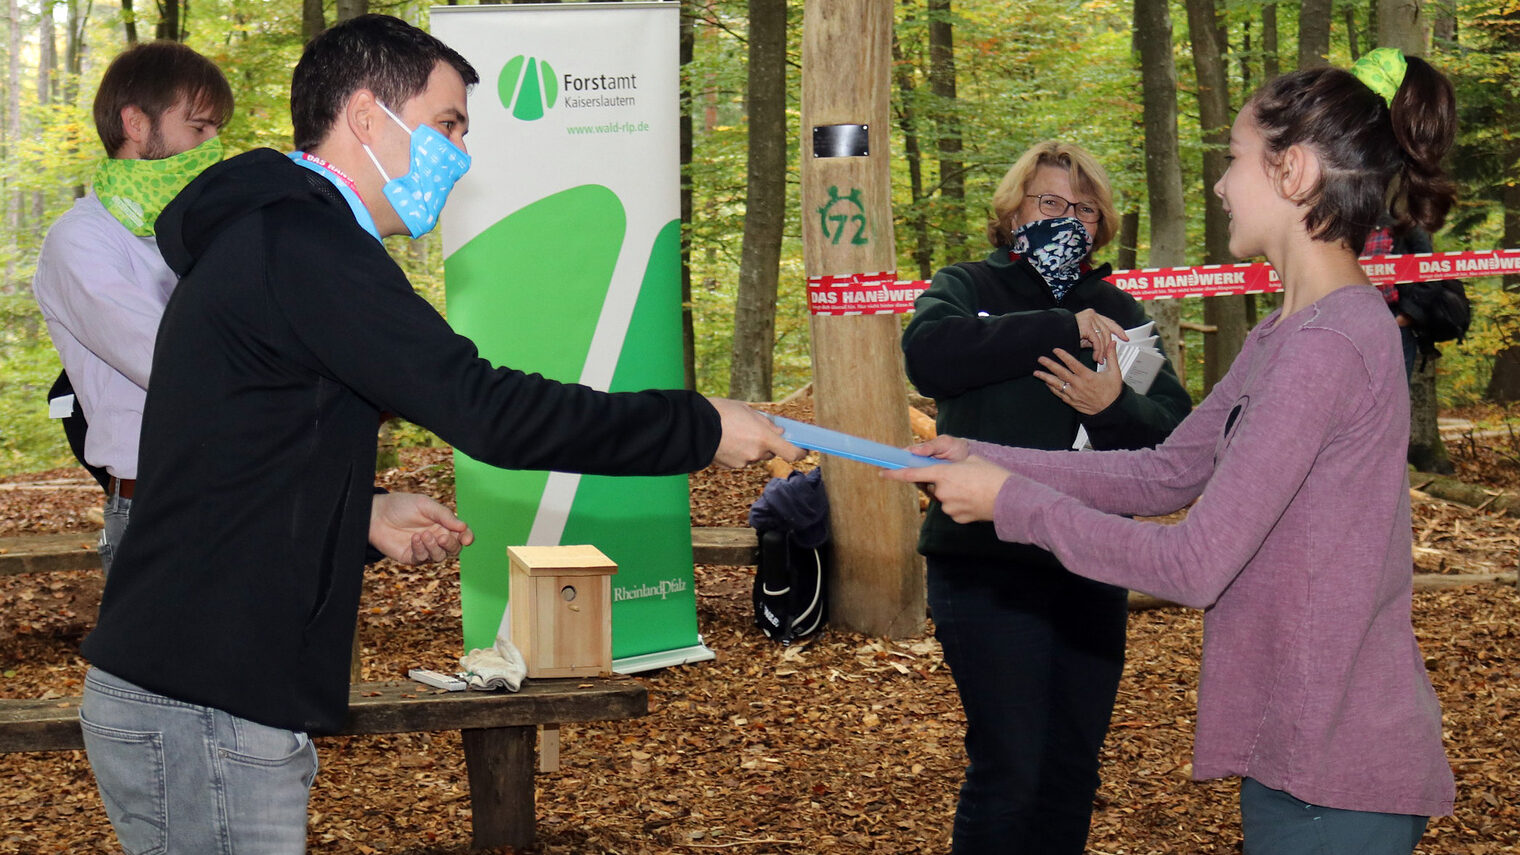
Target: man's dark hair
[
  {"x": 153, "y": 77},
  {"x": 385, "y": 55}
]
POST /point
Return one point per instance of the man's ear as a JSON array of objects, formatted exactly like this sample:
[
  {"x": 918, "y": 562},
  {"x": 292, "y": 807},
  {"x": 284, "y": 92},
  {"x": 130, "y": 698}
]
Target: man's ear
[
  {"x": 136, "y": 125},
  {"x": 361, "y": 112}
]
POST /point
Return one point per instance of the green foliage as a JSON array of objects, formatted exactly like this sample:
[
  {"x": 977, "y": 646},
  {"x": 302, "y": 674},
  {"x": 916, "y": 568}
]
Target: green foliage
[
  {"x": 1026, "y": 71},
  {"x": 29, "y": 440}
]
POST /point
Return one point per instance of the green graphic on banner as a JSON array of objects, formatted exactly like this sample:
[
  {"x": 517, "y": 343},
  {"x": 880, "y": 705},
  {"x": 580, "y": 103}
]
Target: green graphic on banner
[
  {"x": 527, "y": 87},
  {"x": 529, "y": 290}
]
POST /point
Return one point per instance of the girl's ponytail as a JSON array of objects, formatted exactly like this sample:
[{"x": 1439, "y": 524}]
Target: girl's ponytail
[
  {"x": 1380, "y": 130},
  {"x": 1424, "y": 117}
]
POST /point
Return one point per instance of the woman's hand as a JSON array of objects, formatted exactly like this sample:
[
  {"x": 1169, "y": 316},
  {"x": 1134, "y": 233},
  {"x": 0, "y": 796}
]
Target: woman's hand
[
  {"x": 944, "y": 447},
  {"x": 967, "y": 491},
  {"x": 1083, "y": 389},
  {"x": 1094, "y": 329}
]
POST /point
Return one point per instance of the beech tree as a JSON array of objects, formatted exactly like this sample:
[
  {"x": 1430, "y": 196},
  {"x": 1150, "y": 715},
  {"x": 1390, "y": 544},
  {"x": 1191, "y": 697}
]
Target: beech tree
[
  {"x": 1227, "y": 315},
  {"x": 1163, "y": 170},
  {"x": 765, "y": 204}
]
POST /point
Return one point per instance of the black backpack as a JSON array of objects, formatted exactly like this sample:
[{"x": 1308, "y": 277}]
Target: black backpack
[
  {"x": 790, "y": 592},
  {"x": 1440, "y": 310}
]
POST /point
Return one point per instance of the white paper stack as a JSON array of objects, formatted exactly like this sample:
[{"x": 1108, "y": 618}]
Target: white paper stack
[{"x": 1139, "y": 359}]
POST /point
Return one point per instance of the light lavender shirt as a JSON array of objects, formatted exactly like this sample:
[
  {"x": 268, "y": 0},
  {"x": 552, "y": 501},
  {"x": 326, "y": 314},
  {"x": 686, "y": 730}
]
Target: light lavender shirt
[
  {"x": 1298, "y": 549},
  {"x": 102, "y": 291}
]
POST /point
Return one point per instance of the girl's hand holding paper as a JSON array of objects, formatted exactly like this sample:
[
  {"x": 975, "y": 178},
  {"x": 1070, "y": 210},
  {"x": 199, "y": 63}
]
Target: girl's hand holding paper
[{"x": 966, "y": 490}]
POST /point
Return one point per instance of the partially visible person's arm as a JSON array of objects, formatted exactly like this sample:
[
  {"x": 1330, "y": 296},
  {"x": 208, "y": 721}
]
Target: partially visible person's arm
[
  {"x": 91, "y": 290},
  {"x": 414, "y": 529}
]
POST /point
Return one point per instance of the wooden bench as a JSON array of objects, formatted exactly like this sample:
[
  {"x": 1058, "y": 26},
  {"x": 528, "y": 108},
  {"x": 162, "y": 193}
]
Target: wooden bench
[
  {"x": 41, "y": 553},
  {"x": 498, "y": 729}
]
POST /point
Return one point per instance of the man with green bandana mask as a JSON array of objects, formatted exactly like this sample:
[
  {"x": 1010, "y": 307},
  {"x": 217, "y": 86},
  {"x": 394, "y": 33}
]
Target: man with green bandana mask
[{"x": 101, "y": 282}]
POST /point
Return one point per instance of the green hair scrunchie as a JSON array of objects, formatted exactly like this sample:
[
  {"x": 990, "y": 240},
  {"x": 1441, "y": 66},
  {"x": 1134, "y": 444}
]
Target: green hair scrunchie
[{"x": 1382, "y": 70}]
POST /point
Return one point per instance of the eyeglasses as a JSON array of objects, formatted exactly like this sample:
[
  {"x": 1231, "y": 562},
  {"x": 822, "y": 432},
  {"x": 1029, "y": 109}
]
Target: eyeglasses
[{"x": 1052, "y": 205}]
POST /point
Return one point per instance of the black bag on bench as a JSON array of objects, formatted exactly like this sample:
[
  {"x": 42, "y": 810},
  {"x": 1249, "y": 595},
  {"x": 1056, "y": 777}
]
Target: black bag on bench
[{"x": 790, "y": 593}]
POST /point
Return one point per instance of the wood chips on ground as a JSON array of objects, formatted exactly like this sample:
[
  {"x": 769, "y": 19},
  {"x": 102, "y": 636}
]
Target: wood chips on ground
[{"x": 840, "y": 744}]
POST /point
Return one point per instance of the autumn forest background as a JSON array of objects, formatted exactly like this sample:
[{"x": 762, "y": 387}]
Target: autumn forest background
[
  {"x": 1149, "y": 86},
  {"x": 847, "y": 742}
]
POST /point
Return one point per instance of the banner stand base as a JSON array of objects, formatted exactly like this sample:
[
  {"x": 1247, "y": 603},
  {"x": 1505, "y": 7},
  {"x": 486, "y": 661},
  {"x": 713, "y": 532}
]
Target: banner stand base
[{"x": 663, "y": 659}]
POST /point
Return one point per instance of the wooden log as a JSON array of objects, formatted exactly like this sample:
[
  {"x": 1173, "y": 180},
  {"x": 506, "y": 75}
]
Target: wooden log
[
  {"x": 397, "y": 706},
  {"x": 1452, "y": 490},
  {"x": 500, "y": 765},
  {"x": 922, "y": 424},
  {"x": 876, "y": 582},
  {"x": 46, "y": 553}
]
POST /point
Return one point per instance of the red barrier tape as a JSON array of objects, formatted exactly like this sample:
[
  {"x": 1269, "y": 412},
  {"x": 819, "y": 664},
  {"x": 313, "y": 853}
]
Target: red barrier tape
[{"x": 882, "y": 293}]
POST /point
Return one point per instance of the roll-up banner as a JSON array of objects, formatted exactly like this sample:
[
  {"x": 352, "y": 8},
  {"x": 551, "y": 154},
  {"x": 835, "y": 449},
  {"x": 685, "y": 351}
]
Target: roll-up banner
[{"x": 562, "y": 257}]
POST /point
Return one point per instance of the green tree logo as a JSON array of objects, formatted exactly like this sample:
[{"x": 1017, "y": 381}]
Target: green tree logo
[{"x": 527, "y": 87}]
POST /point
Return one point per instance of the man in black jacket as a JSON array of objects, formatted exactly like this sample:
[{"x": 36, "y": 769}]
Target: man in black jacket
[{"x": 225, "y": 629}]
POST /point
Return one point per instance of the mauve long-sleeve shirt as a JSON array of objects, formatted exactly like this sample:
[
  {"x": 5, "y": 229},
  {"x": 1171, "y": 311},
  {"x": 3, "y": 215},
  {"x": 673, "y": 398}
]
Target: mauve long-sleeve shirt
[{"x": 1297, "y": 548}]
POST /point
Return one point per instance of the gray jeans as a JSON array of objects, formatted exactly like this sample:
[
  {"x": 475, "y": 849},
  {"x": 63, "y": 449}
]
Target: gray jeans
[
  {"x": 1276, "y": 823},
  {"x": 118, "y": 509},
  {"x": 181, "y": 778}
]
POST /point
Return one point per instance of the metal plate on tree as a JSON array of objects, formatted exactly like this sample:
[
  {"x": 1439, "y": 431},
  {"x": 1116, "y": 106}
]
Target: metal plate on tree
[{"x": 841, "y": 140}]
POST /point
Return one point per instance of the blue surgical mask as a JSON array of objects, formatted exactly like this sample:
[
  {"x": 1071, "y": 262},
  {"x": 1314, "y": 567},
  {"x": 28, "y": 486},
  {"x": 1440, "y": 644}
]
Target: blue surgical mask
[
  {"x": 436, "y": 164},
  {"x": 1056, "y": 248}
]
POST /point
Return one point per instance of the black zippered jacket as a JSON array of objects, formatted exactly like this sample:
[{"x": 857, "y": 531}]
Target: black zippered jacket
[
  {"x": 290, "y": 333},
  {"x": 973, "y": 346}
]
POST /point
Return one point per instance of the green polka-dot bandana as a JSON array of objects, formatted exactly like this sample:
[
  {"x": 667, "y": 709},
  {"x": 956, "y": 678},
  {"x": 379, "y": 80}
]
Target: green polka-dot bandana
[
  {"x": 135, "y": 191},
  {"x": 1382, "y": 70}
]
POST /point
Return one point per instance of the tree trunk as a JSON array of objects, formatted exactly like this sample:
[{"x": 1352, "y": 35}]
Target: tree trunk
[
  {"x": 688, "y": 321},
  {"x": 749, "y": 376},
  {"x": 12, "y": 136},
  {"x": 1350, "y": 15},
  {"x": 47, "y": 56},
  {"x": 1227, "y": 314},
  {"x": 47, "y": 75},
  {"x": 73, "y": 51},
  {"x": 1404, "y": 25},
  {"x": 1271, "y": 66},
  {"x": 1313, "y": 33},
  {"x": 73, "y": 61},
  {"x": 313, "y": 21},
  {"x": 1163, "y": 170},
  {"x": 952, "y": 172},
  {"x": 1129, "y": 240},
  {"x": 129, "y": 22},
  {"x": 347, "y": 10},
  {"x": 876, "y": 582},
  {"x": 907, "y": 121},
  {"x": 169, "y": 27},
  {"x": 1504, "y": 383},
  {"x": 1245, "y": 56},
  {"x": 1401, "y": 25},
  {"x": 1443, "y": 27},
  {"x": 1426, "y": 450}
]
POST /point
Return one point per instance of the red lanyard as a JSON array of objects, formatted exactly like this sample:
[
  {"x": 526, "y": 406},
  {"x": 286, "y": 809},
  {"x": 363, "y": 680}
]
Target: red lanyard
[{"x": 311, "y": 158}]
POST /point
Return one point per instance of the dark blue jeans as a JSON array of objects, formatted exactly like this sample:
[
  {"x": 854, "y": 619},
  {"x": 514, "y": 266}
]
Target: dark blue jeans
[{"x": 1036, "y": 654}]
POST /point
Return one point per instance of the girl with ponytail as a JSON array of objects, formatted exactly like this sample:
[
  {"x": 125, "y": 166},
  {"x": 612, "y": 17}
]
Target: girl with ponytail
[{"x": 1297, "y": 539}]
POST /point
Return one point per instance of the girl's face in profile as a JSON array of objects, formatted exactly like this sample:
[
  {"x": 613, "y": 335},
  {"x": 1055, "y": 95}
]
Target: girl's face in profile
[{"x": 1248, "y": 188}]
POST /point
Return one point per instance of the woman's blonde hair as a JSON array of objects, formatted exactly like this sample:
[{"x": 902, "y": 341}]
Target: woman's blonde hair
[{"x": 1088, "y": 180}]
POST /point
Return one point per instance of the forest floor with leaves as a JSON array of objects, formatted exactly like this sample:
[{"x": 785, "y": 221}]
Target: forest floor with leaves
[{"x": 840, "y": 744}]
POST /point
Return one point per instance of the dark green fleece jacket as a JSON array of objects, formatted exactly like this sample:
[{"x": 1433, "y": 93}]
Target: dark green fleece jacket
[{"x": 973, "y": 346}]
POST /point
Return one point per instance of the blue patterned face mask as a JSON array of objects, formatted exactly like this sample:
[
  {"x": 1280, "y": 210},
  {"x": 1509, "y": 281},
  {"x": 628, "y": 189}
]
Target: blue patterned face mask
[
  {"x": 1057, "y": 248},
  {"x": 436, "y": 164}
]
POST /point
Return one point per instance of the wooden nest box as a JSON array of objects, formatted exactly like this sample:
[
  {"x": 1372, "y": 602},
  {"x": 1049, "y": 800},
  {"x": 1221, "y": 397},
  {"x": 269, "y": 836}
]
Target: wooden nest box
[{"x": 561, "y": 605}]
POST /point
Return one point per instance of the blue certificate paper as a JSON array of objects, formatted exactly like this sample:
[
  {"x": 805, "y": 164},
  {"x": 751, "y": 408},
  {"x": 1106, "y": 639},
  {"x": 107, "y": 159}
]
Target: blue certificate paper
[{"x": 815, "y": 438}]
